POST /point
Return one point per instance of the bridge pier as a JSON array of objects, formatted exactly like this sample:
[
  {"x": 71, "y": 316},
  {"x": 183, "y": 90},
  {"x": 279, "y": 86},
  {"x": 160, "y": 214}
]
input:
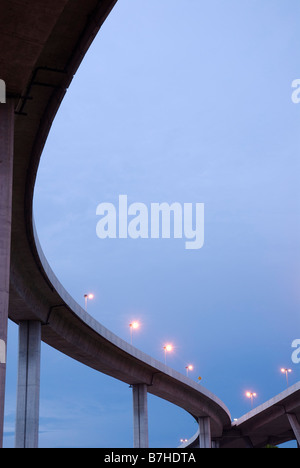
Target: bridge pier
[
  {"x": 204, "y": 433},
  {"x": 140, "y": 416},
  {"x": 215, "y": 444},
  {"x": 6, "y": 183},
  {"x": 28, "y": 392},
  {"x": 295, "y": 426}
]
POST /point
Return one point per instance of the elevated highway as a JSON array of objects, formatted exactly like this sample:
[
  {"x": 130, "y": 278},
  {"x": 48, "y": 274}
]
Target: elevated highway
[
  {"x": 42, "y": 48},
  {"x": 272, "y": 423}
]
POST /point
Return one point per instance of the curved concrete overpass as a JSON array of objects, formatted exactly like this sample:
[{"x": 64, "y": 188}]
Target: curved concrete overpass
[
  {"x": 272, "y": 423},
  {"x": 42, "y": 48}
]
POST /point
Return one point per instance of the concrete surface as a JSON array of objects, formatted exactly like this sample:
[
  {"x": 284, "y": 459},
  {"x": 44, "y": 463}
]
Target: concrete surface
[
  {"x": 205, "y": 441},
  {"x": 6, "y": 183},
  {"x": 140, "y": 416},
  {"x": 28, "y": 389}
]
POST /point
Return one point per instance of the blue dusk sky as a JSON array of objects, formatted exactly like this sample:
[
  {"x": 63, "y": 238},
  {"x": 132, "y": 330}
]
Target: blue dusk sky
[{"x": 188, "y": 102}]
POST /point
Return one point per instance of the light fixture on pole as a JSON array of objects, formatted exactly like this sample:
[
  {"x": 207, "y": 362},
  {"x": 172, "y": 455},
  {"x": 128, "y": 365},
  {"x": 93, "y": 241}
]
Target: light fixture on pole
[
  {"x": 251, "y": 395},
  {"x": 133, "y": 326},
  {"x": 87, "y": 297},
  {"x": 286, "y": 372},
  {"x": 188, "y": 369},
  {"x": 168, "y": 349}
]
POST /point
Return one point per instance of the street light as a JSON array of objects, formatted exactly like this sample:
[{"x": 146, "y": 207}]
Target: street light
[
  {"x": 133, "y": 326},
  {"x": 189, "y": 368},
  {"x": 86, "y": 298},
  {"x": 286, "y": 372},
  {"x": 168, "y": 349},
  {"x": 251, "y": 395}
]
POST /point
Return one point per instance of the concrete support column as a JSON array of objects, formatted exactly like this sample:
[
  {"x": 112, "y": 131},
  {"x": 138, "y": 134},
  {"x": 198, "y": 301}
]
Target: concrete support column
[
  {"x": 140, "y": 416},
  {"x": 28, "y": 394},
  {"x": 204, "y": 433},
  {"x": 6, "y": 182},
  {"x": 295, "y": 426}
]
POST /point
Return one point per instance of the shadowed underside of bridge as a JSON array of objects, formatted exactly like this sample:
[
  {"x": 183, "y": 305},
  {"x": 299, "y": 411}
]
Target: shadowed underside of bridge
[{"x": 42, "y": 45}]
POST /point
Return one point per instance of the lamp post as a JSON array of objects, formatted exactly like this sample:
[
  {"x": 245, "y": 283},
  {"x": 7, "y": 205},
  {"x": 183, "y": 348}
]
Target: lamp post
[
  {"x": 189, "y": 368},
  {"x": 251, "y": 395},
  {"x": 286, "y": 372},
  {"x": 86, "y": 298},
  {"x": 168, "y": 349},
  {"x": 133, "y": 326}
]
